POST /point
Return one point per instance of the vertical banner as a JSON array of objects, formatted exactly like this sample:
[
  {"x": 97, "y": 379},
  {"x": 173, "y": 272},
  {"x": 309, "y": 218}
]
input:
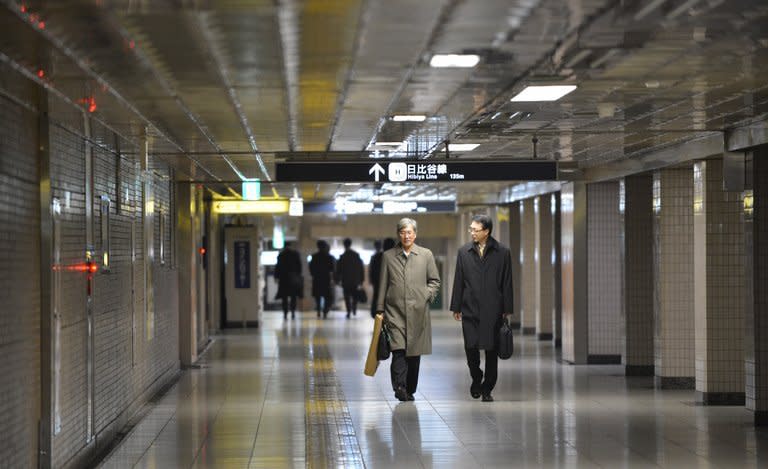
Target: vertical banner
[{"x": 242, "y": 264}]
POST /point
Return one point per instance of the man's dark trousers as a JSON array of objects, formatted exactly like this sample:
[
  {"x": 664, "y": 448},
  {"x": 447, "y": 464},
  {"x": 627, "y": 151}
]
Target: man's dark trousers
[
  {"x": 404, "y": 371},
  {"x": 491, "y": 368}
]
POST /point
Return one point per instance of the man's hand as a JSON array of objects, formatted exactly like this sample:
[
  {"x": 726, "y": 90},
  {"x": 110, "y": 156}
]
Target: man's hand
[{"x": 457, "y": 315}]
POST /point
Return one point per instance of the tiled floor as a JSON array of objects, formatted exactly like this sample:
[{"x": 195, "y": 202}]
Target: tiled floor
[{"x": 292, "y": 394}]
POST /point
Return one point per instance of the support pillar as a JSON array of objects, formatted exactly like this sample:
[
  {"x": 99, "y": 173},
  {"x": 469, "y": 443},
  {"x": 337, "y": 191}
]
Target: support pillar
[
  {"x": 673, "y": 279},
  {"x": 187, "y": 271},
  {"x": 544, "y": 266},
  {"x": 515, "y": 251},
  {"x": 604, "y": 271},
  {"x": 529, "y": 280},
  {"x": 637, "y": 206},
  {"x": 755, "y": 210},
  {"x": 574, "y": 271},
  {"x": 718, "y": 265}
]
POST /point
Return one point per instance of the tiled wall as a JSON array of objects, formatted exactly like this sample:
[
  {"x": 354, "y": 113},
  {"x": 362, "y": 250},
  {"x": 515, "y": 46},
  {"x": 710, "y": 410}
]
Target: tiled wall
[
  {"x": 604, "y": 269},
  {"x": 529, "y": 278},
  {"x": 545, "y": 267},
  {"x": 515, "y": 249},
  {"x": 129, "y": 362},
  {"x": 127, "y": 366},
  {"x": 719, "y": 287},
  {"x": 20, "y": 280},
  {"x": 756, "y": 307},
  {"x": 673, "y": 278},
  {"x": 638, "y": 275}
]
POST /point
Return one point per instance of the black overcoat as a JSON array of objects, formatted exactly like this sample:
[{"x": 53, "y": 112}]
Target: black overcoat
[
  {"x": 322, "y": 267},
  {"x": 482, "y": 292},
  {"x": 288, "y": 274},
  {"x": 350, "y": 270}
]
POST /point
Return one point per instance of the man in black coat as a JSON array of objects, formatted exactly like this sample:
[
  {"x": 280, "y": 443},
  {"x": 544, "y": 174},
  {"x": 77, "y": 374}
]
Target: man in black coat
[
  {"x": 290, "y": 284},
  {"x": 322, "y": 267},
  {"x": 350, "y": 273},
  {"x": 481, "y": 298}
]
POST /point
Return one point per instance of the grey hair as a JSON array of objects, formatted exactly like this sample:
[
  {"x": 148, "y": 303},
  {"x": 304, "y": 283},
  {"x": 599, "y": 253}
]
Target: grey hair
[{"x": 404, "y": 222}]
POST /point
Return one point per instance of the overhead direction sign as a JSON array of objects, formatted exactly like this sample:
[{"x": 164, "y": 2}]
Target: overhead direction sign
[{"x": 417, "y": 171}]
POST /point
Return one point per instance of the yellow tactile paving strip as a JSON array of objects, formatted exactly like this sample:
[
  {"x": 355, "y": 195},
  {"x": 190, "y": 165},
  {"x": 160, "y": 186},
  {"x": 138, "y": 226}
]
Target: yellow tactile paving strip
[{"x": 330, "y": 434}]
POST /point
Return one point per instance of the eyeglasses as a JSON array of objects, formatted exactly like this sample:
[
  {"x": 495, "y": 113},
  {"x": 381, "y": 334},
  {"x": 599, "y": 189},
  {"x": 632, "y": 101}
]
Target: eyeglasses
[{"x": 473, "y": 231}]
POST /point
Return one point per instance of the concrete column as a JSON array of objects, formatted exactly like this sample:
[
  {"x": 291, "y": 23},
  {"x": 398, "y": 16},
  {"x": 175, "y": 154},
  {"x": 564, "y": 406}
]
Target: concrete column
[
  {"x": 545, "y": 286},
  {"x": 604, "y": 273},
  {"x": 515, "y": 250},
  {"x": 673, "y": 278},
  {"x": 558, "y": 319},
  {"x": 718, "y": 265},
  {"x": 187, "y": 271},
  {"x": 755, "y": 209},
  {"x": 637, "y": 206},
  {"x": 501, "y": 224},
  {"x": 574, "y": 271},
  {"x": 529, "y": 299}
]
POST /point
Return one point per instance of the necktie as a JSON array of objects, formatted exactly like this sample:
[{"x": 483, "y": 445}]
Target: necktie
[{"x": 480, "y": 248}]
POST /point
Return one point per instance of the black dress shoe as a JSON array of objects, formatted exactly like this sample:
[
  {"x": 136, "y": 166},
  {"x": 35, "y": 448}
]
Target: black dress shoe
[
  {"x": 474, "y": 391},
  {"x": 487, "y": 397},
  {"x": 401, "y": 395},
  {"x": 410, "y": 397}
]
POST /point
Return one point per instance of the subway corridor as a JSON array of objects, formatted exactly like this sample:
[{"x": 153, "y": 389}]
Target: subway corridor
[{"x": 292, "y": 394}]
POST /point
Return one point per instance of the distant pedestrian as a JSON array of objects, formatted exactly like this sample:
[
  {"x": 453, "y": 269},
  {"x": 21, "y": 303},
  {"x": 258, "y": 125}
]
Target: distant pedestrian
[
  {"x": 374, "y": 269},
  {"x": 322, "y": 267},
  {"x": 350, "y": 273},
  {"x": 481, "y": 298},
  {"x": 290, "y": 283}
]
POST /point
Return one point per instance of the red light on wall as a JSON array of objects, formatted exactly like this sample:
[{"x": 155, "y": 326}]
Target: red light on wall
[
  {"x": 23, "y": 8},
  {"x": 41, "y": 25},
  {"x": 201, "y": 251},
  {"x": 131, "y": 44},
  {"x": 41, "y": 73},
  {"x": 91, "y": 104}
]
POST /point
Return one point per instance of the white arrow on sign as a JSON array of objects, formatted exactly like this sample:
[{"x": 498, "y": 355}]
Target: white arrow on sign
[{"x": 376, "y": 170}]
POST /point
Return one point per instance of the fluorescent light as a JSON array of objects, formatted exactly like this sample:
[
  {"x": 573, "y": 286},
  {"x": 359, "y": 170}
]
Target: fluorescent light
[
  {"x": 251, "y": 189},
  {"x": 457, "y": 147},
  {"x": 387, "y": 144},
  {"x": 296, "y": 207},
  {"x": 391, "y": 206},
  {"x": 454, "y": 60},
  {"x": 251, "y": 206},
  {"x": 543, "y": 93},
  {"x": 350, "y": 207},
  {"x": 278, "y": 237},
  {"x": 409, "y": 118}
]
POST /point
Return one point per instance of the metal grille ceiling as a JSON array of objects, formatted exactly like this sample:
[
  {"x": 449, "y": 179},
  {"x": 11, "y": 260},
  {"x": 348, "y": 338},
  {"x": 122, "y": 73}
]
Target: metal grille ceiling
[{"x": 222, "y": 86}]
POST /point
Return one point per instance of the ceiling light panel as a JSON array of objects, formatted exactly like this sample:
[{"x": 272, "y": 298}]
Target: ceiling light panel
[
  {"x": 454, "y": 60},
  {"x": 543, "y": 93}
]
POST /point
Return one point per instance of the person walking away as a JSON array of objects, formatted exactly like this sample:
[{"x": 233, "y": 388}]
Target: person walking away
[
  {"x": 408, "y": 283},
  {"x": 481, "y": 300},
  {"x": 374, "y": 270},
  {"x": 350, "y": 272},
  {"x": 289, "y": 281},
  {"x": 321, "y": 267}
]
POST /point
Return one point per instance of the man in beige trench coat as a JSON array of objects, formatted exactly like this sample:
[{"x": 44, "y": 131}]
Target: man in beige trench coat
[{"x": 408, "y": 283}]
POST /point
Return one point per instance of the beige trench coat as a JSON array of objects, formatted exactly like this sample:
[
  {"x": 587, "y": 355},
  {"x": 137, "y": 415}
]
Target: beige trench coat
[{"x": 406, "y": 288}]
